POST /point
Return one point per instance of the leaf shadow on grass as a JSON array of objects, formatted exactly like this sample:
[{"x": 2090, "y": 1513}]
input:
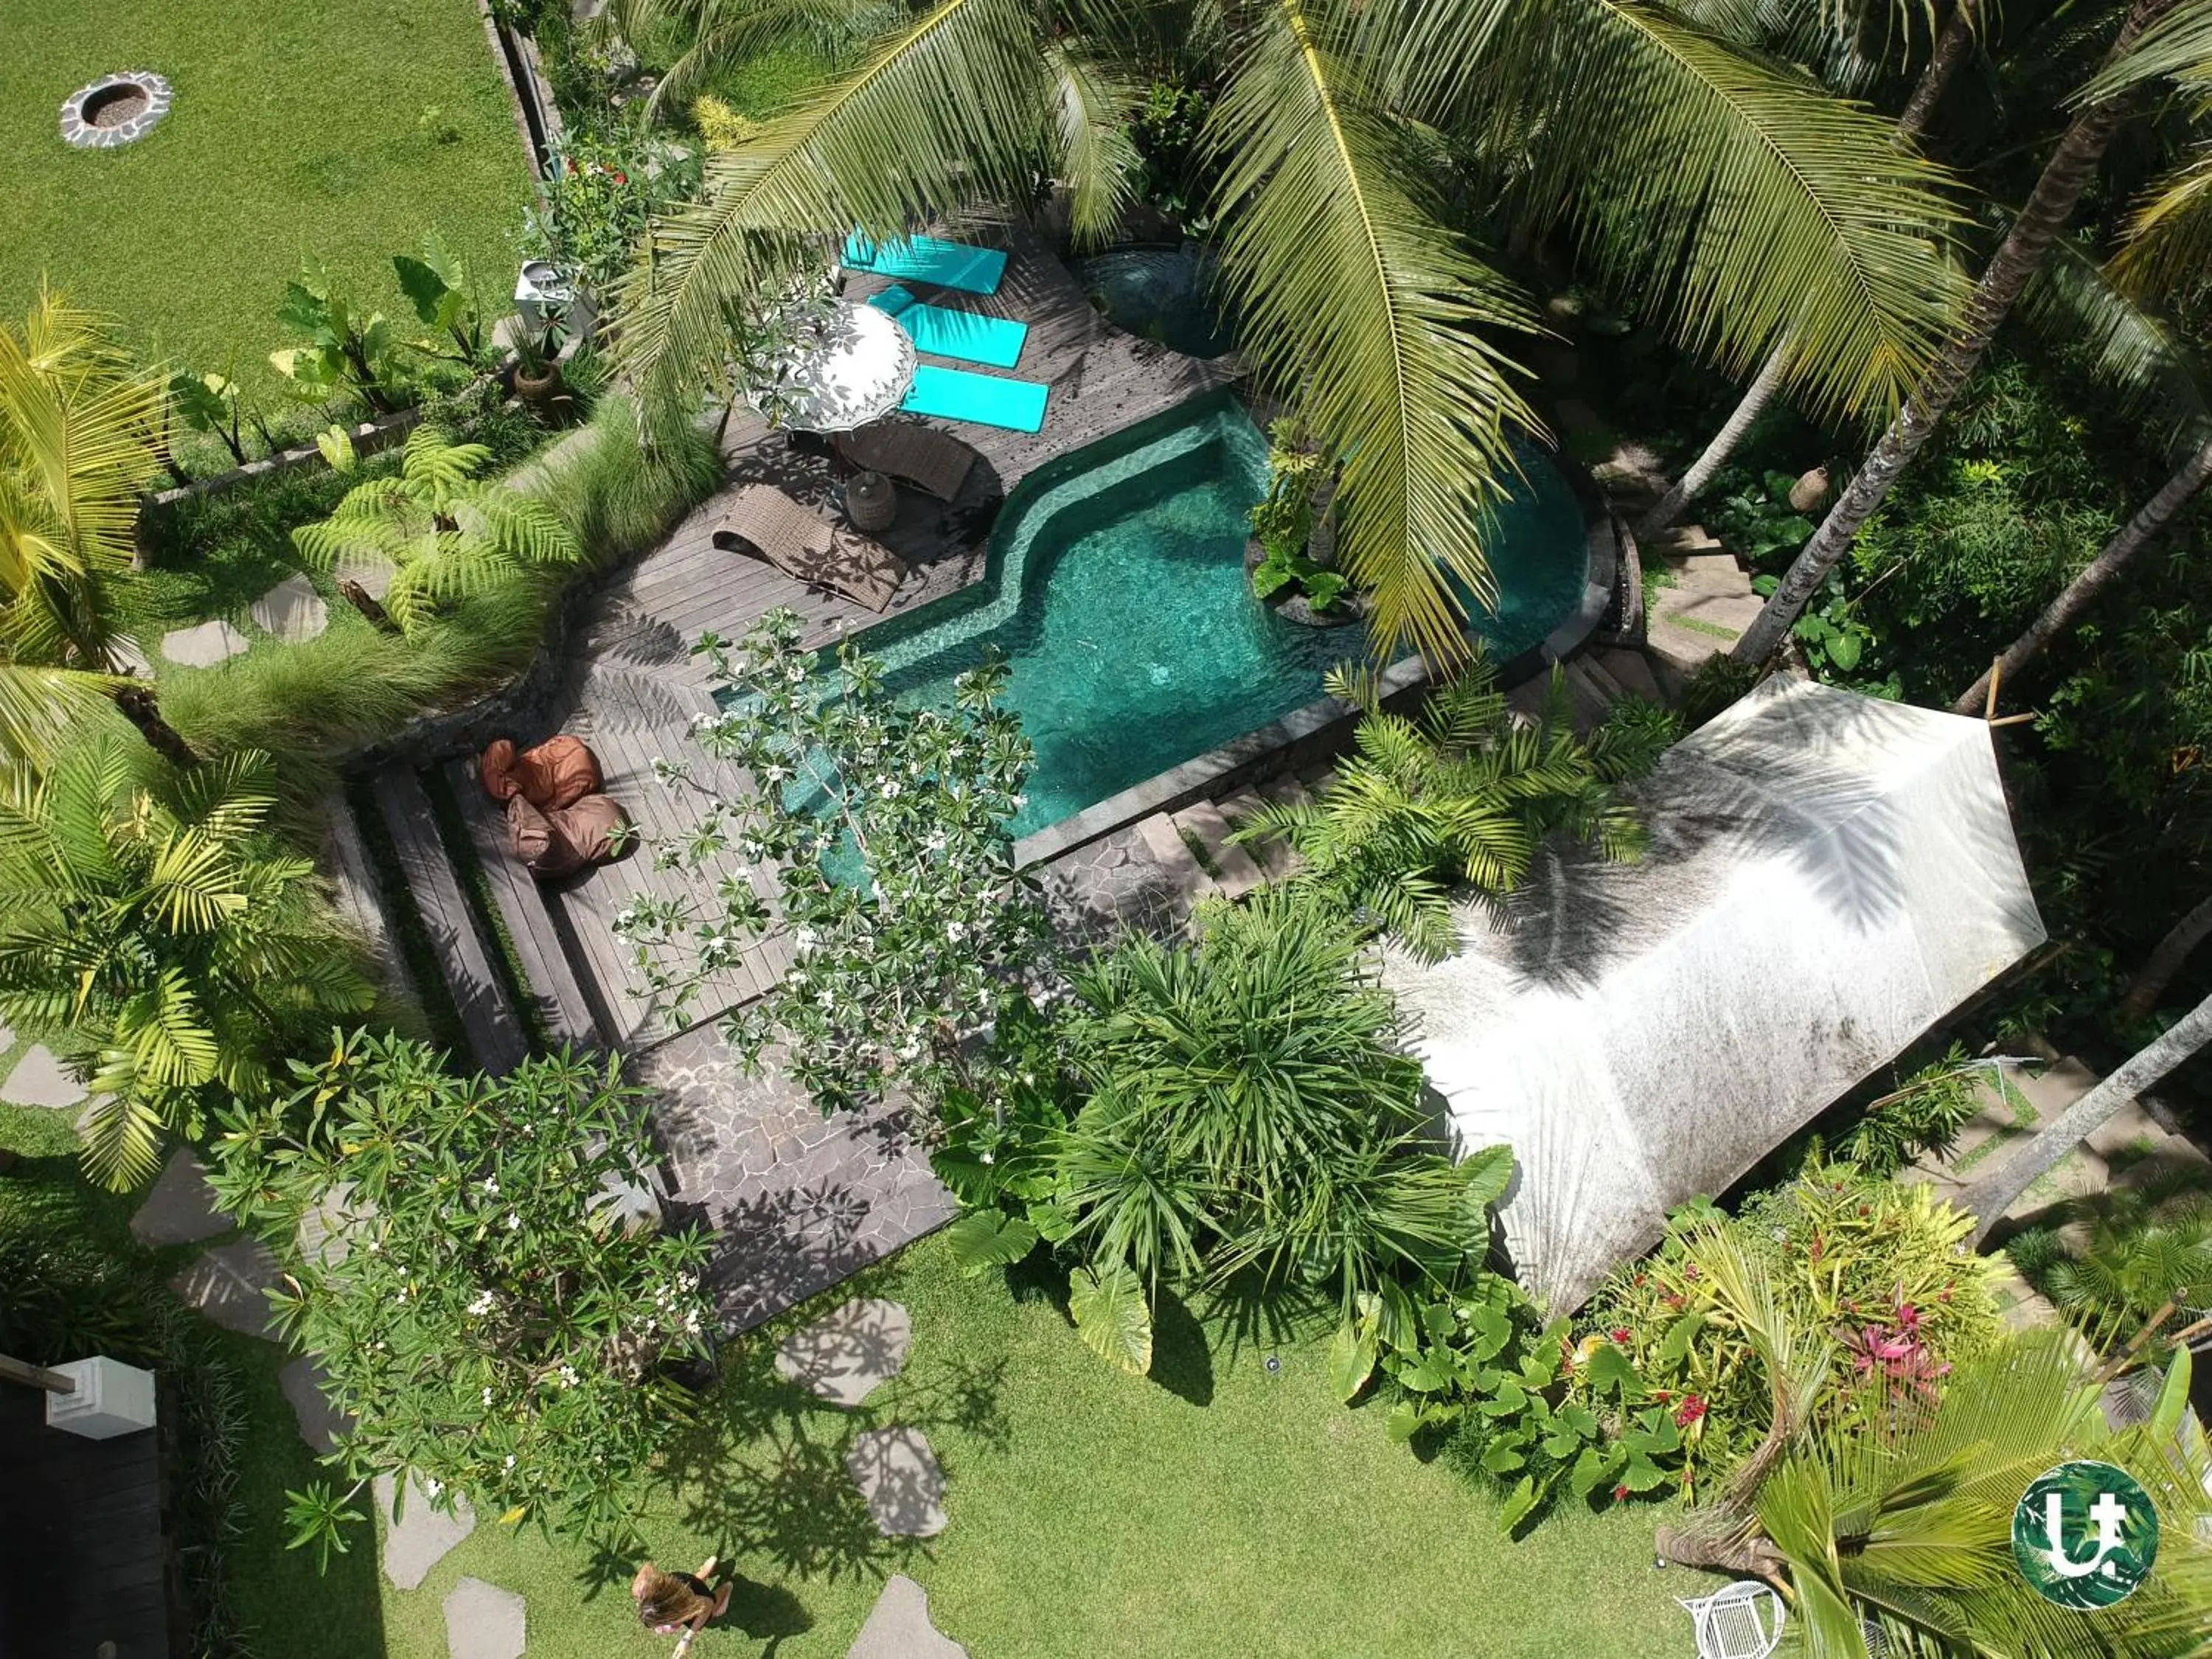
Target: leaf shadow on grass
[{"x": 1183, "y": 1359}]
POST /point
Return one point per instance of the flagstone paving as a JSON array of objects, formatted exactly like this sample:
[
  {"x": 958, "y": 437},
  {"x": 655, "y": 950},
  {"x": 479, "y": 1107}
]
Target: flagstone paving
[
  {"x": 422, "y": 1536},
  {"x": 203, "y": 644},
  {"x": 319, "y": 1421},
  {"x": 179, "y": 1207},
  {"x": 484, "y": 1621},
  {"x": 845, "y": 1355},
  {"x": 39, "y": 1079},
  {"x": 227, "y": 1284},
  {"x": 900, "y": 1480},
  {"x": 292, "y": 610},
  {"x": 899, "y": 1627}
]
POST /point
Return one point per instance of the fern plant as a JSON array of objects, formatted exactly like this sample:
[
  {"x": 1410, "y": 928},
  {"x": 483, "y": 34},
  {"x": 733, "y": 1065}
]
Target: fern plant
[
  {"x": 449, "y": 533},
  {"x": 1461, "y": 793},
  {"x": 154, "y": 936}
]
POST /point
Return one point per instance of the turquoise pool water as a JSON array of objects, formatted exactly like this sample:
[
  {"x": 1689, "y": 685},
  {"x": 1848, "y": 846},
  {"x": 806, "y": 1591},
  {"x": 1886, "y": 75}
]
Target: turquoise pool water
[{"x": 1115, "y": 590}]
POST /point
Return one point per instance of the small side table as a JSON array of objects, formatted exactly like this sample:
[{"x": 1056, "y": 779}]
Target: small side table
[{"x": 870, "y": 501}]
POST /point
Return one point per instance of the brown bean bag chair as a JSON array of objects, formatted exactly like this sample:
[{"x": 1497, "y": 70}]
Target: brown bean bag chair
[
  {"x": 557, "y": 773},
  {"x": 566, "y": 840}
]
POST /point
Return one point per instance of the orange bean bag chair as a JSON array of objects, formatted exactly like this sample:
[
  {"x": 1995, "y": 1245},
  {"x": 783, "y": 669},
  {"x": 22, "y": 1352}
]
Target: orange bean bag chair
[
  {"x": 557, "y": 773},
  {"x": 567, "y": 839}
]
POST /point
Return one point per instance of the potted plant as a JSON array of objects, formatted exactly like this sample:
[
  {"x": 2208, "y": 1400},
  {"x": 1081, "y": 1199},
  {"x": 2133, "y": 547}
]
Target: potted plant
[{"x": 536, "y": 367}]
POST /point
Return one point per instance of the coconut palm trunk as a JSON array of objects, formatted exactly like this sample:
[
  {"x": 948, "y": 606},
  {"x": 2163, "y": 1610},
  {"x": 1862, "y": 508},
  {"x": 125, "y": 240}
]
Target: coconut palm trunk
[
  {"x": 1950, "y": 51},
  {"x": 1991, "y": 1196},
  {"x": 2096, "y": 576},
  {"x": 2165, "y": 962},
  {"x": 2057, "y": 194}
]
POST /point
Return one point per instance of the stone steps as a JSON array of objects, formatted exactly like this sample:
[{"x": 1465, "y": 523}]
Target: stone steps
[
  {"x": 1187, "y": 879},
  {"x": 1235, "y": 872}
]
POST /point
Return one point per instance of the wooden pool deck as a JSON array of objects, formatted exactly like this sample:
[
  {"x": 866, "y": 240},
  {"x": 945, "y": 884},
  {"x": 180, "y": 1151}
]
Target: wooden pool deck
[{"x": 632, "y": 690}]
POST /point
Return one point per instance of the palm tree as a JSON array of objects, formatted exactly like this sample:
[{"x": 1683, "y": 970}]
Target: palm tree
[
  {"x": 2057, "y": 192},
  {"x": 1997, "y": 1192},
  {"x": 78, "y": 425},
  {"x": 2165, "y": 962},
  {"x": 1902, "y": 1521},
  {"x": 1950, "y": 51},
  {"x": 1463, "y": 794},
  {"x": 1729, "y": 195},
  {"x": 2169, "y": 238},
  {"x": 451, "y": 534},
  {"x": 152, "y": 934}
]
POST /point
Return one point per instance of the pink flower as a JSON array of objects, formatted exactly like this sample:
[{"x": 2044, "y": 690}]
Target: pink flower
[
  {"x": 1689, "y": 1412},
  {"x": 1618, "y": 1333},
  {"x": 1620, "y": 1492}
]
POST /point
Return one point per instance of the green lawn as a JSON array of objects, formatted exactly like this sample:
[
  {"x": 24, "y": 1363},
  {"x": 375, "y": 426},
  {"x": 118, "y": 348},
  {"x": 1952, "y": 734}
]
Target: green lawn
[
  {"x": 1217, "y": 1509},
  {"x": 297, "y": 130}
]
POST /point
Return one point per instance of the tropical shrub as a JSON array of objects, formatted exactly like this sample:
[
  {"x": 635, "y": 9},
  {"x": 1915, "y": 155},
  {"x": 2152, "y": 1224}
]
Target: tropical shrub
[
  {"x": 1241, "y": 1104},
  {"x": 888, "y": 828},
  {"x": 1166, "y": 132},
  {"x": 351, "y": 351},
  {"x": 151, "y": 932},
  {"x": 437, "y": 285},
  {"x": 2131, "y": 1265},
  {"x": 450, "y": 534},
  {"x": 456, "y": 1256},
  {"x": 1880, "y": 1267},
  {"x": 1462, "y": 793},
  {"x": 615, "y": 496},
  {"x": 1283, "y": 521},
  {"x": 600, "y": 194},
  {"x": 1924, "y": 1112}
]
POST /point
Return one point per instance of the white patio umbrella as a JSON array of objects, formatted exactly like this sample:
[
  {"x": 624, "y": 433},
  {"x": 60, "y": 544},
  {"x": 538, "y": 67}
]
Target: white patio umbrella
[{"x": 849, "y": 364}]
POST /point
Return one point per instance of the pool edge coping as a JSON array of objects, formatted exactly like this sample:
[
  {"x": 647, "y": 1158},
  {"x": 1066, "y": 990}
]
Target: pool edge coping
[{"x": 1324, "y": 726}]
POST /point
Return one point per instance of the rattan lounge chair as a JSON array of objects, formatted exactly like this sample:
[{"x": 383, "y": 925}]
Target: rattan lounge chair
[
  {"x": 764, "y": 520},
  {"x": 935, "y": 463}
]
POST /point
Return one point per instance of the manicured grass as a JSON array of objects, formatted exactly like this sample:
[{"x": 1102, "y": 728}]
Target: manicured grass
[
  {"x": 297, "y": 130},
  {"x": 1215, "y": 1510}
]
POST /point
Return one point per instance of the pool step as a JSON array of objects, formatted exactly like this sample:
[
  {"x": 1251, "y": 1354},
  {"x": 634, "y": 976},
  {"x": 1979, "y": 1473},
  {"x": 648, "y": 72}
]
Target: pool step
[
  {"x": 1273, "y": 857},
  {"x": 1185, "y": 878},
  {"x": 1235, "y": 872}
]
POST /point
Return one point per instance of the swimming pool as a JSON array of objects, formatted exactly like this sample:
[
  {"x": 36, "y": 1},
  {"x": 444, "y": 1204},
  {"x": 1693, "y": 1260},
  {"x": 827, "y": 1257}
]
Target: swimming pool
[{"x": 1115, "y": 590}]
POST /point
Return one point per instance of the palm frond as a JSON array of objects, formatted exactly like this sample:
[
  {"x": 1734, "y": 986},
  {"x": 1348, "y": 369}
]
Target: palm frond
[
  {"x": 2177, "y": 48},
  {"x": 2132, "y": 352},
  {"x": 2169, "y": 233},
  {"x": 1092, "y": 154},
  {"x": 119, "y": 1135},
  {"x": 1354, "y": 294}
]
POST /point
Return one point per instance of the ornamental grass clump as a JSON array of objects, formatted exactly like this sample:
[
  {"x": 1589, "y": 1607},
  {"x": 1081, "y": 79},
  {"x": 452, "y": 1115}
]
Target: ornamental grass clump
[{"x": 457, "y": 1254}]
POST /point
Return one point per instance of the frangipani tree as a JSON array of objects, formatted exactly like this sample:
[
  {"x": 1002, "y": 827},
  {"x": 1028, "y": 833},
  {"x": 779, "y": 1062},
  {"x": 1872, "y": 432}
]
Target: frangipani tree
[{"x": 1733, "y": 198}]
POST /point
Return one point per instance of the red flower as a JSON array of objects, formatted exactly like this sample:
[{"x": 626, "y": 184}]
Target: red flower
[
  {"x": 1620, "y": 1334},
  {"x": 1689, "y": 1270},
  {"x": 1674, "y": 1302},
  {"x": 1620, "y": 1492},
  {"x": 1909, "y": 1317},
  {"x": 1863, "y": 1209},
  {"x": 1689, "y": 1412},
  {"x": 1640, "y": 1278},
  {"x": 571, "y": 168},
  {"x": 623, "y": 179},
  {"x": 1945, "y": 1295}
]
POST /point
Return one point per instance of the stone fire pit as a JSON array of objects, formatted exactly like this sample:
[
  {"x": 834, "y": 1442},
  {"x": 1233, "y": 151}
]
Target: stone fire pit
[{"x": 114, "y": 109}]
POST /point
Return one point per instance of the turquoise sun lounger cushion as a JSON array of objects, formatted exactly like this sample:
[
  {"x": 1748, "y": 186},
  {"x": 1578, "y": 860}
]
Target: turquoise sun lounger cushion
[
  {"x": 947, "y": 332},
  {"x": 926, "y": 259},
  {"x": 954, "y": 394}
]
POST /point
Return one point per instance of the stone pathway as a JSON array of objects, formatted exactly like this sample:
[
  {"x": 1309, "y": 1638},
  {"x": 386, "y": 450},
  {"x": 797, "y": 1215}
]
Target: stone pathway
[
  {"x": 420, "y": 1538},
  {"x": 320, "y": 1422},
  {"x": 1701, "y": 605},
  {"x": 203, "y": 645},
  {"x": 899, "y": 1480},
  {"x": 845, "y": 1356},
  {"x": 798, "y": 1201},
  {"x": 226, "y": 1285},
  {"x": 39, "y": 1079},
  {"x": 484, "y": 1621},
  {"x": 179, "y": 1208},
  {"x": 899, "y": 1627},
  {"x": 292, "y": 610}
]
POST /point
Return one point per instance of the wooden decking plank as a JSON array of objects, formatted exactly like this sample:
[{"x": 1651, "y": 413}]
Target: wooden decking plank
[
  {"x": 567, "y": 1017},
  {"x": 488, "y": 1019}
]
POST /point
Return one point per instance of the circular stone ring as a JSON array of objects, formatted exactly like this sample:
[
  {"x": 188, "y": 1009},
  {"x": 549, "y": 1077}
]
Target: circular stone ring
[{"x": 114, "y": 109}]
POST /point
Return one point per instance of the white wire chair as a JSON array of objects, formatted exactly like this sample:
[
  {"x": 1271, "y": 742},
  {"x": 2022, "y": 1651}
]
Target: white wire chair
[{"x": 1741, "y": 1621}]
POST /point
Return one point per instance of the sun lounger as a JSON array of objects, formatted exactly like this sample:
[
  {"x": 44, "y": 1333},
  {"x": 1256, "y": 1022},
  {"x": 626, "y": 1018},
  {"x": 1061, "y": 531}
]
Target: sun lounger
[
  {"x": 926, "y": 259},
  {"x": 936, "y": 463},
  {"x": 764, "y": 520},
  {"x": 954, "y": 394},
  {"x": 944, "y": 331}
]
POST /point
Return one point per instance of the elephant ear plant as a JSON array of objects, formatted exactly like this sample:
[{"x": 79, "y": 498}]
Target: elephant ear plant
[{"x": 461, "y": 1254}]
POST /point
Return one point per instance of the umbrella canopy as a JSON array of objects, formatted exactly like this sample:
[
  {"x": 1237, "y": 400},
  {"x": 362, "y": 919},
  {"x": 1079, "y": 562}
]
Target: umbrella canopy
[{"x": 848, "y": 364}]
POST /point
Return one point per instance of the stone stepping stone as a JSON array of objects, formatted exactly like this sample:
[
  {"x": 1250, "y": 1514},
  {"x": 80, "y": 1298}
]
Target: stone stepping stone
[
  {"x": 484, "y": 1621},
  {"x": 899, "y": 1481},
  {"x": 320, "y": 1422},
  {"x": 129, "y": 658},
  {"x": 421, "y": 1538},
  {"x": 225, "y": 1284},
  {"x": 179, "y": 1207},
  {"x": 374, "y": 574},
  {"x": 845, "y": 1355},
  {"x": 292, "y": 610},
  {"x": 203, "y": 645},
  {"x": 39, "y": 1079},
  {"x": 898, "y": 1627},
  {"x": 323, "y": 1233}
]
